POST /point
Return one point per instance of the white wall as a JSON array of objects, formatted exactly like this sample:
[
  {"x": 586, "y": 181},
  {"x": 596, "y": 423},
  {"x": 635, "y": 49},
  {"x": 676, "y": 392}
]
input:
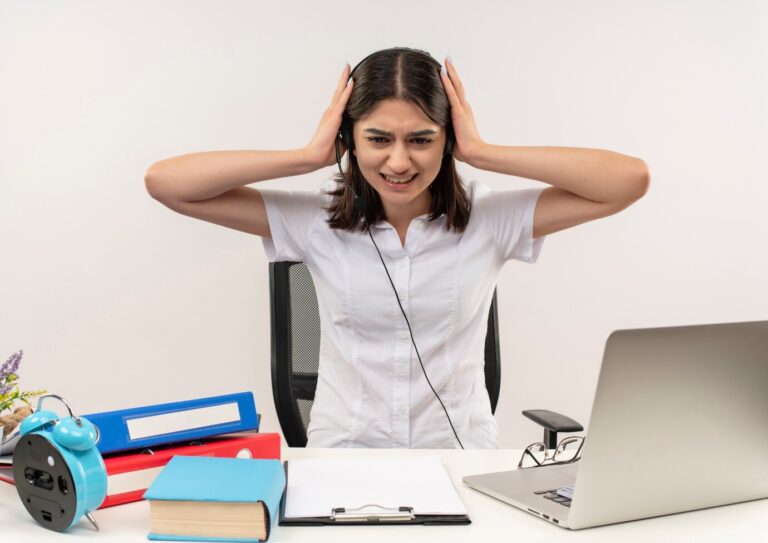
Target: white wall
[{"x": 117, "y": 301}]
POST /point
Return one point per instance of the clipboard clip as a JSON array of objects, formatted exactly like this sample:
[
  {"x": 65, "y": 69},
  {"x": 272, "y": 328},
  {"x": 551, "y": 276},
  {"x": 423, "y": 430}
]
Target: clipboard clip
[{"x": 372, "y": 513}]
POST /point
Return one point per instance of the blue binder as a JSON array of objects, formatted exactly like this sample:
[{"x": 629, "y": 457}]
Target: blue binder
[{"x": 154, "y": 425}]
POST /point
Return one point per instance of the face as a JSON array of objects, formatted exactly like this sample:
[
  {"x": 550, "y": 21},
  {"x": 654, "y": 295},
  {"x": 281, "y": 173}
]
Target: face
[{"x": 398, "y": 140}]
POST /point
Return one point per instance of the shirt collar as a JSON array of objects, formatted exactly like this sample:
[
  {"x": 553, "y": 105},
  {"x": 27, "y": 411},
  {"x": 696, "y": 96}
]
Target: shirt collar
[{"x": 421, "y": 218}]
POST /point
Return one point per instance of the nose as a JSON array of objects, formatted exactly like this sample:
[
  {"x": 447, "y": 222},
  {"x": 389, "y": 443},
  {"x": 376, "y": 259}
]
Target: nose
[{"x": 399, "y": 160}]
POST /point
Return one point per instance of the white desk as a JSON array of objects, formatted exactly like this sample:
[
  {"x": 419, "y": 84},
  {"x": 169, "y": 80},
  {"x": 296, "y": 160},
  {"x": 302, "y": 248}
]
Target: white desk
[{"x": 492, "y": 520}]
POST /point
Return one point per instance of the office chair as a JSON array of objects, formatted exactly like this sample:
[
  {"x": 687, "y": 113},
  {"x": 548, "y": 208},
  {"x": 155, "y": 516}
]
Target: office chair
[{"x": 295, "y": 338}]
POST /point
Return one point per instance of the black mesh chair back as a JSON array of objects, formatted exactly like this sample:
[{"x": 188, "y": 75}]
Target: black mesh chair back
[{"x": 295, "y": 324}]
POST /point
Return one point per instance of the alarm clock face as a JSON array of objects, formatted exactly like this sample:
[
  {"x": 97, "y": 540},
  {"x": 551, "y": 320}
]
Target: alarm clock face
[{"x": 44, "y": 482}]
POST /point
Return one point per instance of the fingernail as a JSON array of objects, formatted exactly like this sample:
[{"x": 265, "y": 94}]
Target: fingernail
[
  {"x": 449, "y": 58},
  {"x": 442, "y": 69},
  {"x": 349, "y": 83}
]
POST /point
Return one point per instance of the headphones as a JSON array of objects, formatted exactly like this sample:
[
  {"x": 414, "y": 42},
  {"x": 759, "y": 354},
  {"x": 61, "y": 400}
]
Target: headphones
[
  {"x": 60, "y": 474},
  {"x": 345, "y": 132},
  {"x": 345, "y": 135}
]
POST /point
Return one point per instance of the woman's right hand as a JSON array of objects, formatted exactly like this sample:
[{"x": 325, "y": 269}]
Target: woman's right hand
[{"x": 321, "y": 150}]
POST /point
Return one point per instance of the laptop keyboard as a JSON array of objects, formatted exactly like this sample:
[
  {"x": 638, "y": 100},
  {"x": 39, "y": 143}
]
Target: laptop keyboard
[{"x": 563, "y": 495}]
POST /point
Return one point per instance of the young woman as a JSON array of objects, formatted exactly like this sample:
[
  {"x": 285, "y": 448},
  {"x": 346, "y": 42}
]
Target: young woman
[{"x": 385, "y": 358}]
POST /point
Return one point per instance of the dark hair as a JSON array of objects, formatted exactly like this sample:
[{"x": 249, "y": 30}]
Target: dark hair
[{"x": 414, "y": 76}]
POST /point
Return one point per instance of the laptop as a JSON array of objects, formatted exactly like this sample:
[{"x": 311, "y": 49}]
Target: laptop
[{"x": 679, "y": 422}]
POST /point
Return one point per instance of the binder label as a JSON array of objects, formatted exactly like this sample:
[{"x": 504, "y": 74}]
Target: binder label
[{"x": 179, "y": 421}]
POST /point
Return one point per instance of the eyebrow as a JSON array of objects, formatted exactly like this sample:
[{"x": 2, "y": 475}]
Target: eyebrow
[{"x": 380, "y": 132}]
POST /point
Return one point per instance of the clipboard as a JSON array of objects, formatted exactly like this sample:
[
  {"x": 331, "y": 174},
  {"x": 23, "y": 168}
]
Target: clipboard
[{"x": 352, "y": 514}]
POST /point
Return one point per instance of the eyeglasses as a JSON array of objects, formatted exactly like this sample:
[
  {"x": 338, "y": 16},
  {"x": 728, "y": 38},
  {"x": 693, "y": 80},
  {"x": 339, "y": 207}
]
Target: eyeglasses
[{"x": 566, "y": 452}]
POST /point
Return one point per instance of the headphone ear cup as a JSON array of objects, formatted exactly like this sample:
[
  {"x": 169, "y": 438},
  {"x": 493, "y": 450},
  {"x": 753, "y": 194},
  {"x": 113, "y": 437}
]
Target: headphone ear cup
[
  {"x": 346, "y": 133},
  {"x": 450, "y": 140}
]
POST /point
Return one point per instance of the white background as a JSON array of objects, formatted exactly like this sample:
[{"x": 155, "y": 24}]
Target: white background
[{"x": 118, "y": 301}]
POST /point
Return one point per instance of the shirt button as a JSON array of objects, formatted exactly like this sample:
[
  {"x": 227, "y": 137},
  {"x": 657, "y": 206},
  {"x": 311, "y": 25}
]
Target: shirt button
[
  {"x": 401, "y": 410},
  {"x": 403, "y": 334},
  {"x": 400, "y": 371},
  {"x": 402, "y": 264}
]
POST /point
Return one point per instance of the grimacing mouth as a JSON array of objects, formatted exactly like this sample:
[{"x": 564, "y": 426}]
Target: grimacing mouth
[{"x": 399, "y": 183}]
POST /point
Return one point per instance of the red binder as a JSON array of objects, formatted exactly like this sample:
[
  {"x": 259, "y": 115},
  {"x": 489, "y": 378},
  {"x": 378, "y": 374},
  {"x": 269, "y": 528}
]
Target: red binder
[
  {"x": 130, "y": 474},
  {"x": 6, "y": 474}
]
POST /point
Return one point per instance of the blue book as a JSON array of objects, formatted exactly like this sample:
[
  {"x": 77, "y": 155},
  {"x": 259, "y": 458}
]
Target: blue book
[
  {"x": 153, "y": 425},
  {"x": 204, "y": 498}
]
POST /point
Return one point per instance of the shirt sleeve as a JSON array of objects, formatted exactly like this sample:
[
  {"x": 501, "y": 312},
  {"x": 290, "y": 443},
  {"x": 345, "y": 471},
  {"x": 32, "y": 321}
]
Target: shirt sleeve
[
  {"x": 509, "y": 215},
  {"x": 291, "y": 216}
]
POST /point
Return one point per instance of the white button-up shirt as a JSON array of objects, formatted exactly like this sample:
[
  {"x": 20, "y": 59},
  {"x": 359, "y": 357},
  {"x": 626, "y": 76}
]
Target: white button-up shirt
[{"x": 371, "y": 391}]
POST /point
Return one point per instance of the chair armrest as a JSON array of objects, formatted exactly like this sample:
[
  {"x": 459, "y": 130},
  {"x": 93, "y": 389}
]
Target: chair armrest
[{"x": 553, "y": 421}]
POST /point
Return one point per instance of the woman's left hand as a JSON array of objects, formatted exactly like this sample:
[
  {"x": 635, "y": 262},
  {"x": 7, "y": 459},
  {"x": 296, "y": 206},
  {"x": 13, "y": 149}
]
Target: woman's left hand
[{"x": 468, "y": 139}]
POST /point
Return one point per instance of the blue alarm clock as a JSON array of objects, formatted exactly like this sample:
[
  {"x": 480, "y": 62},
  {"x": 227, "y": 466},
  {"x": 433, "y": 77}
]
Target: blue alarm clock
[{"x": 60, "y": 474}]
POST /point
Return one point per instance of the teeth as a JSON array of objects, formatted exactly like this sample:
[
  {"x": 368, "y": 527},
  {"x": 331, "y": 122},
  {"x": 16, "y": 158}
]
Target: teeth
[{"x": 399, "y": 179}]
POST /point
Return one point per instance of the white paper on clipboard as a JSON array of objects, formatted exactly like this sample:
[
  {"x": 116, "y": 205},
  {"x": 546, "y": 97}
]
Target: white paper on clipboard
[{"x": 317, "y": 486}]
